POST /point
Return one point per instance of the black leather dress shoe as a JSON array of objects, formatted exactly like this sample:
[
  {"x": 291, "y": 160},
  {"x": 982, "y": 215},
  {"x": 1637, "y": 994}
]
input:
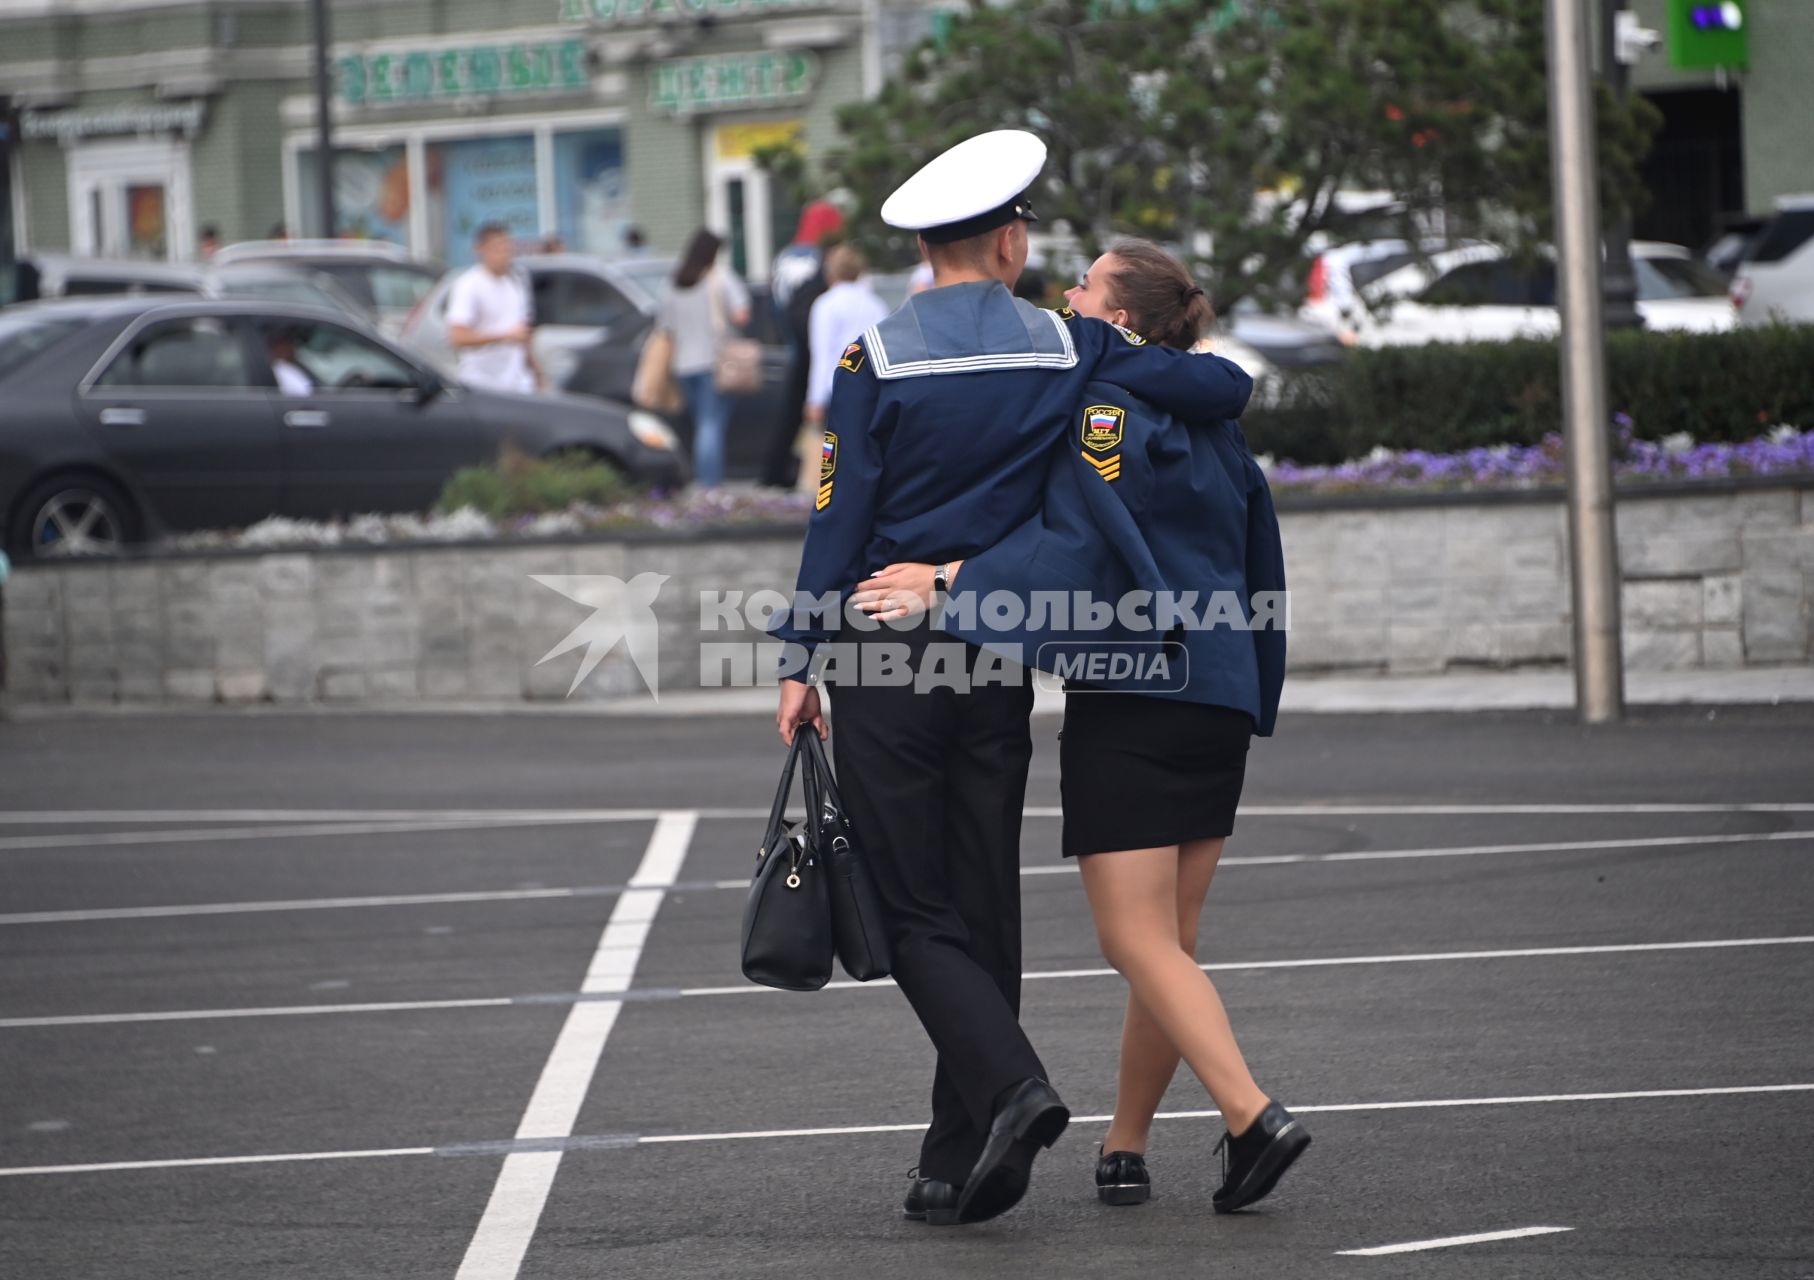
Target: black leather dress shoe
[
  {"x": 1031, "y": 1117},
  {"x": 1253, "y": 1163},
  {"x": 931, "y": 1201},
  {"x": 1121, "y": 1178}
]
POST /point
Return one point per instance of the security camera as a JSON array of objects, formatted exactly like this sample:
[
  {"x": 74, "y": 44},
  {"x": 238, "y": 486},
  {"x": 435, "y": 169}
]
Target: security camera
[{"x": 1632, "y": 41}]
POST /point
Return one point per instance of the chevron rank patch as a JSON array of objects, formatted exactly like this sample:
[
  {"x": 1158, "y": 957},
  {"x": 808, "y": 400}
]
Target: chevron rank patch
[
  {"x": 853, "y": 358},
  {"x": 824, "y": 499},
  {"x": 1103, "y": 425},
  {"x": 1133, "y": 338},
  {"x": 1108, "y": 468}
]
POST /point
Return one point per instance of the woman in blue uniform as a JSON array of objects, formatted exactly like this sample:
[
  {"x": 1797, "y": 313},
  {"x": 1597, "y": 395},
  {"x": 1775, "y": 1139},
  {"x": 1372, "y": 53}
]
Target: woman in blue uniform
[{"x": 1153, "y": 761}]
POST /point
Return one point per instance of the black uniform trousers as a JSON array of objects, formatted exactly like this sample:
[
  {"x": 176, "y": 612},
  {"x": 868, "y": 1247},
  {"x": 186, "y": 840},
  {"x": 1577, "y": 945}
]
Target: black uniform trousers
[{"x": 935, "y": 781}]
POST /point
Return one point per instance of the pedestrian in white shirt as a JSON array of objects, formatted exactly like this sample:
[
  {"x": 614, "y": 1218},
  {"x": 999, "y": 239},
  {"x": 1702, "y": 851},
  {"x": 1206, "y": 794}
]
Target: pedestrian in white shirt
[
  {"x": 491, "y": 318},
  {"x": 840, "y": 315}
]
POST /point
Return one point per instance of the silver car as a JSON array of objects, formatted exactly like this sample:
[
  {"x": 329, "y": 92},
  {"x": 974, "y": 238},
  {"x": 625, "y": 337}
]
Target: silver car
[{"x": 580, "y": 302}]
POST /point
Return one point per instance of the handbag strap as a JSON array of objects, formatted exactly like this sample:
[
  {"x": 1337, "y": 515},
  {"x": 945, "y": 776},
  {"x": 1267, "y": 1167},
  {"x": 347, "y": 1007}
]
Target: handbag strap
[
  {"x": 815, "y": 800},
  {"x": 822, "y": 785},
  {"x": 785, "y": 790}
]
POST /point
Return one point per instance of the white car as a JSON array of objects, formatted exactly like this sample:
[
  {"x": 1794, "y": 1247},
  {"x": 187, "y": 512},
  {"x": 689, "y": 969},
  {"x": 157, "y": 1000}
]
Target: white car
[
  {"x": 1340, "y": 276},
  {"x": 1479, "y": 294},
  {"x": 1775, "y": 283}
]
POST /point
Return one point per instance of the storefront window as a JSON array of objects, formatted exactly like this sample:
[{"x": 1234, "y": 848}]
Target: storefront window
[
  {"x": 474, "y": 181},
  {"x": 591, "y": 191},
  {"x": 371, "y": 194}
]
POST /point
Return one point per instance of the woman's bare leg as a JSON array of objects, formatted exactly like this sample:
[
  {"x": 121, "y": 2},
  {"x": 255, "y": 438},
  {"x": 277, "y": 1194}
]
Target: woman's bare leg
[
  {"x": 1134, "y": 895},
  {"x": 1149, "y": 1059}
]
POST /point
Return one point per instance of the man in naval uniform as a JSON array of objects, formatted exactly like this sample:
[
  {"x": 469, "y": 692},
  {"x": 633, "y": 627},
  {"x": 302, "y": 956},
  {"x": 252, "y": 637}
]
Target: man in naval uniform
[{"x": 940, "y": 429}]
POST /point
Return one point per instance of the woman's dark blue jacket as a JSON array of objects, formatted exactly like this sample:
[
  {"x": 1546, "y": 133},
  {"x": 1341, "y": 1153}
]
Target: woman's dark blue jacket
[{"x": 1139, "y": 502}]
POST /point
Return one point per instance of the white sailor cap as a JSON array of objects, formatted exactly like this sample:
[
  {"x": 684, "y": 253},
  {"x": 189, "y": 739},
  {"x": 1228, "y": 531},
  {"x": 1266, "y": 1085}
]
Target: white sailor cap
[{"x": 976, "y": 186}]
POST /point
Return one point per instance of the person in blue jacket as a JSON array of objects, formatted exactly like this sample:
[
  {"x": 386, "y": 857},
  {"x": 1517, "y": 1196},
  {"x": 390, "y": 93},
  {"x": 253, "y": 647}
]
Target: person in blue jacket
[
  {"x": 940, "y": 427},
  {"x": 1164, "y": 522}
]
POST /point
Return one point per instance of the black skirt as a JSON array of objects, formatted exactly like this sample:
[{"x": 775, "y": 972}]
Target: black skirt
[{"x": 1138, "y": 772}]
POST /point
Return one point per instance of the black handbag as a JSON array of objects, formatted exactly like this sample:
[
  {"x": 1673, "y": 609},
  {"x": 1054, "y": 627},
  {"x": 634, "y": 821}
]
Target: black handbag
[
  {"x": 856, "y": 913},
  {"x": 787, "y": 936}
]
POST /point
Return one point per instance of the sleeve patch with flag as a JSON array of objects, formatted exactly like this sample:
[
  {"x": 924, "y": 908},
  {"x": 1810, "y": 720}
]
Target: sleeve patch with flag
[{"x": 853, "y": 358}]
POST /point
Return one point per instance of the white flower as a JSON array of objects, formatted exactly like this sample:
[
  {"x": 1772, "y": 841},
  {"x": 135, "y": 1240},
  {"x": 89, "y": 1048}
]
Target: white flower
[
  {"x": 1266, "y": 462},
  {"x": 1380, "y": 454},
  {"x": 1679, "y": 442},
  {"x": 1783, "y": 433}
]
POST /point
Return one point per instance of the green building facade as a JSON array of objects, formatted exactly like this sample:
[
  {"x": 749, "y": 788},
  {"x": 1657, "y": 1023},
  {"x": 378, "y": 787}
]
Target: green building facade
[{"x": 141, "y": 123}]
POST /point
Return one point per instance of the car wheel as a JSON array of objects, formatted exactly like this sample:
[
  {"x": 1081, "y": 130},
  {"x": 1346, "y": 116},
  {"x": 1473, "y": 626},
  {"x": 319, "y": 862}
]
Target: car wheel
[{"x": 76, "y": 515}]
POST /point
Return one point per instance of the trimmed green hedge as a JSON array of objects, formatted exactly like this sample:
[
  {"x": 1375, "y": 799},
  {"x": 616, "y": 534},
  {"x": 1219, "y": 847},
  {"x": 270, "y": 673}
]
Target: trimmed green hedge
[
  {"x": 519, "y": 485},
  {"x": 1445, "y": 397}
]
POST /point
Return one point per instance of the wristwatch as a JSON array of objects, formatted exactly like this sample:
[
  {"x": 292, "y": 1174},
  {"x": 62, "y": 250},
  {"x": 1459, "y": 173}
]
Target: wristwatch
[{"x": 941, "y": 580}]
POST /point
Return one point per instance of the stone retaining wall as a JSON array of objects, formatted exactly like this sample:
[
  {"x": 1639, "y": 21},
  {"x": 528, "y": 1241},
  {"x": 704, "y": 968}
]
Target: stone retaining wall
[{"x": 1711, "y": 579}]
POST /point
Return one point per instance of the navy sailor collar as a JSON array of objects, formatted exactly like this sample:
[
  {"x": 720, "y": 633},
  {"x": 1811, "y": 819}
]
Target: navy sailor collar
[{"x": 968, "y": 328}]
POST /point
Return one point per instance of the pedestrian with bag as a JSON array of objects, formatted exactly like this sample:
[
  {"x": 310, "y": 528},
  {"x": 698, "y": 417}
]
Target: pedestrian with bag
[
  {"x": 1140, "y": 504},
  {"x": 709, "y": 360},
  {"x": 940, "y": 426}
]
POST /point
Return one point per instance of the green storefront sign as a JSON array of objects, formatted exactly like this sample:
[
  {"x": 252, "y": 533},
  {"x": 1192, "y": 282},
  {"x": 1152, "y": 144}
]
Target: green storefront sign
[
  {"x": 631, "y": 11},
  {"x": 479, "y": 71},
  {"x": 1709, "y": 33},
  {"x": 730, "y": 81}
]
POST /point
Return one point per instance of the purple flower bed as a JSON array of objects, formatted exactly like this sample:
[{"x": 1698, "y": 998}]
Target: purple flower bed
[{"x": 1783, "y": 451}]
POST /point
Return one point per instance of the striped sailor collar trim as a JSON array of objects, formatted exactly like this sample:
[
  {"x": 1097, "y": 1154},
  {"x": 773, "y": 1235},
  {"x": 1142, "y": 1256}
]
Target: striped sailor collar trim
[{"x": 887, "y": 368}]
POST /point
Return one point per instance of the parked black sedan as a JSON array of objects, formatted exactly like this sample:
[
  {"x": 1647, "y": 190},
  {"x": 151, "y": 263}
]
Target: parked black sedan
[{"x": 124, "y": 418}]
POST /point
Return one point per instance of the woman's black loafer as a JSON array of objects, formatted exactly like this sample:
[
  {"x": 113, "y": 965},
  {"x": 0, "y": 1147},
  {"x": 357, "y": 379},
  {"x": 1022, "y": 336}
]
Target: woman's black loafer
[{"x": 1121, "y": 1178}]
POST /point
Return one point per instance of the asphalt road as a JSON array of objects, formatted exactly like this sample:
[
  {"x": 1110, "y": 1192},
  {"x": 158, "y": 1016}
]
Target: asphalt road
[{"x": 350, "y": 996}]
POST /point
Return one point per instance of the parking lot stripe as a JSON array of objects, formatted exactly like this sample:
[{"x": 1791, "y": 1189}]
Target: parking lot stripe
[
  {"x": 515, "y": 1208},
  {"x": 214, "y": 835},
  {"x": 1326, "y": 962},
  {"x": 102, "y": 817},
  {"x": 269, "y": 1011},
  {"x": 606, "y": 992},
  {"x": 208, "y": 1162},
  {"x": 180, "y": 910},
  {"x": 1449, "y": 1242},
  {"x": 522, "y": 1220}
]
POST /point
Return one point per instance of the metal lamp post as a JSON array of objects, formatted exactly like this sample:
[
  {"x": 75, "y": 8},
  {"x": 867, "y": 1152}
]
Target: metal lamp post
[
  {"x": 324, "y": 121},
  {"x": 1593, "y": 547}
]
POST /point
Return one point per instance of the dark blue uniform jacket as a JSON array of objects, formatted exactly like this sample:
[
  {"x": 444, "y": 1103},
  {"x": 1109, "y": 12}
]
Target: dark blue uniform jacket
[
  {"x": 1140, "y": 501},
  {"x": 942, "y": 423}
]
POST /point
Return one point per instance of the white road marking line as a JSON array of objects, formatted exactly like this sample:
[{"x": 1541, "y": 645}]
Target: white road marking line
[
  {"x": 208, "y": 1162},
  {"x": 208, "y": 835},
  {"x": 270, "y": 1011},
  {"x": 95, "y": 817},
  {"x": 1064, "y": 868},
  {"x": 1480, "y": 850},
  {"x": 1328, "y": 1108},
  {"x": 751, "y": 989},
  {"x": 1449, "y": 1242},
  {"x": 616, "y": 1141},
  {"x": 1326, "y": 962},
  {"x": 521, "y": 1192},
  {"x": 300, "y": 904}
]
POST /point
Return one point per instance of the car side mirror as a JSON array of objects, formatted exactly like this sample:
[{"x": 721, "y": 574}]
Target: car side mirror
[{"x": 427, "y": 389}]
